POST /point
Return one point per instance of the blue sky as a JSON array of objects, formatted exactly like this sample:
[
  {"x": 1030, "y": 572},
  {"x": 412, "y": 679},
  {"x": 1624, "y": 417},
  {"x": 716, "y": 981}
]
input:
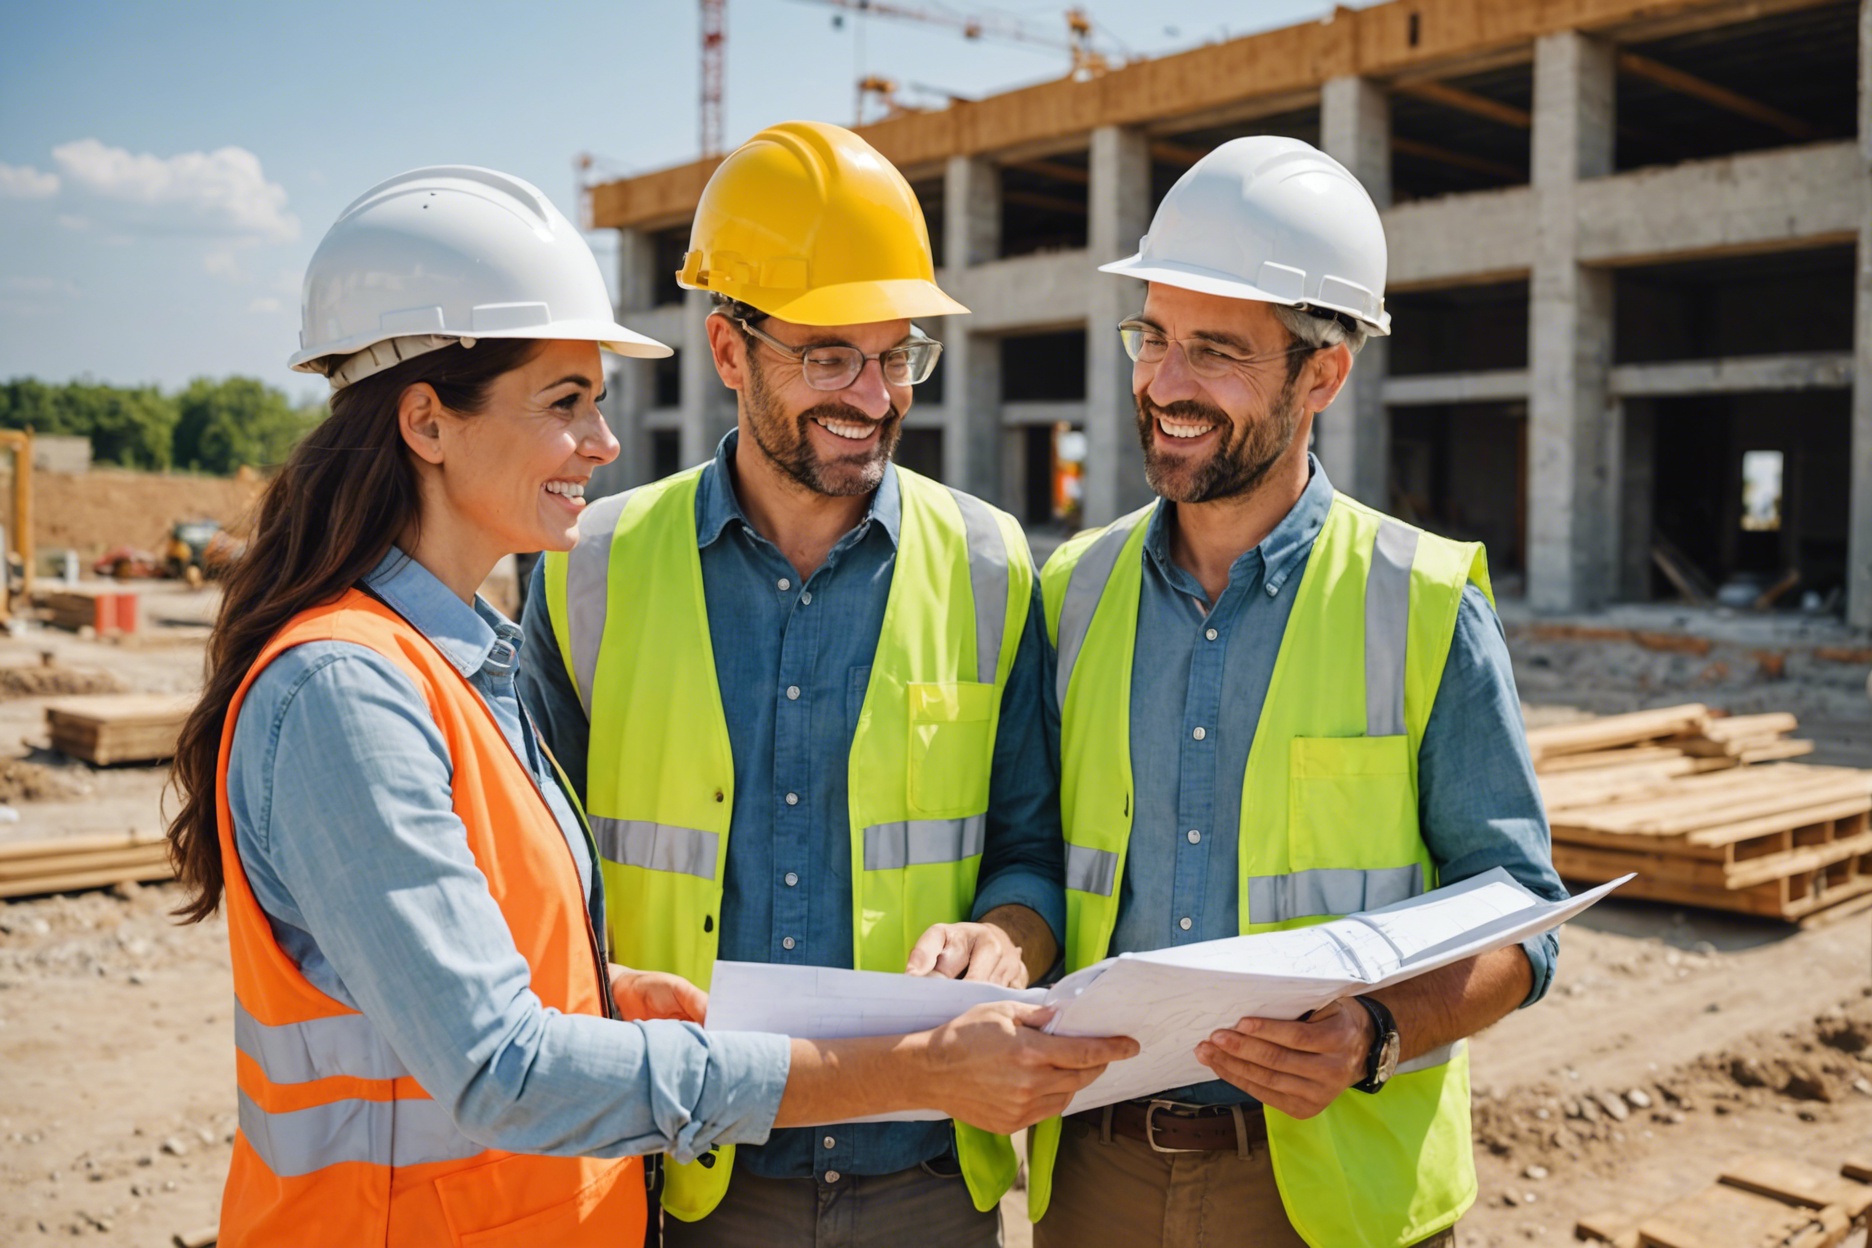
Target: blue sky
[{"x": 166, "y": 169}]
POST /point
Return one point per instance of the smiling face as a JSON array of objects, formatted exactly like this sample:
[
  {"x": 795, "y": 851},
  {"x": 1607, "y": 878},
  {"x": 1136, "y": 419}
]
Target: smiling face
[
  {"x": 1208, "y": 438},
  {"x": 832, "y": 442},
  {"x": 516, "y": 470}
]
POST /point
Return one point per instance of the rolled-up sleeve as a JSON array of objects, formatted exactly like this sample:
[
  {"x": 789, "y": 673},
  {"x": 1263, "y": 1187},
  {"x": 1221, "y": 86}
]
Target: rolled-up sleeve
[
  {"x": 1480, "y": 806},
  {"x": 1024, "y": 862},
  {"x": 341, "y": 788}
]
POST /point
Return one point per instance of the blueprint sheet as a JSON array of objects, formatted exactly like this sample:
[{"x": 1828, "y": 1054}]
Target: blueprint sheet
[{"x": 1169, "y": 999}]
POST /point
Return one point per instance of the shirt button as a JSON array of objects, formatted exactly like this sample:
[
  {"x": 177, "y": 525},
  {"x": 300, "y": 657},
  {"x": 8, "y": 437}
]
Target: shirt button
[
  {"x": 806, "y": 599},
  {"x": 787, "y": 943},
  {"x": 792, "y": 799},
  {"x": 784, "y": 584},
  {"x": 792, "y": 878},
  {"x": 1195, "y": 837},
  {"x": 1211, "y": 634},
  {"x": 792, "y": 693},
  {"x": 830, "y": 1142},
  {"x": 1200, "y": 733},
  {"x": 1184, "y": 924},
  {"x": 1272, "y": 589},
  {"x": 831, "y": 1176}
]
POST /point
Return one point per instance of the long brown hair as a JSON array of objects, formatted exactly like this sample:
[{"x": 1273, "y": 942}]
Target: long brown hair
[{"x": 344, "y": 495}]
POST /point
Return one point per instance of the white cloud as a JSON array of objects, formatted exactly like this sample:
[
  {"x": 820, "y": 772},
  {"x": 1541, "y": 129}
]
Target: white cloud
[
  {"x": 75, "y": 223},
  {"x": 26, "y": 182},
  {"x": 220, "y": 192},
  {"x": 222, "y": 263},
  {"x": 265, "y": 304}
]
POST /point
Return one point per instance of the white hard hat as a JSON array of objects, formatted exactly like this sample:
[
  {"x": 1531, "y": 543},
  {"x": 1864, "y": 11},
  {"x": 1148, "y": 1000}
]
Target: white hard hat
[
  {"x": 1271, "y": 219},
  {"x": 450, "y": 254}
]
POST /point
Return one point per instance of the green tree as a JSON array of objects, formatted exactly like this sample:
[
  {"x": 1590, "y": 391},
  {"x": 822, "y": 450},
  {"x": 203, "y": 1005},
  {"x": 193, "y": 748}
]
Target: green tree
[
  {"x": 132, "y": 426},
  {"x": 239, "y": 420}
]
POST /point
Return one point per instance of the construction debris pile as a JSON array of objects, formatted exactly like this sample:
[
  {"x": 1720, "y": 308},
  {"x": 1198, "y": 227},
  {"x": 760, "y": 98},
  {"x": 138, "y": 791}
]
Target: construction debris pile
[
  {"x": 1758, "y": 1200},
  {"x": 1699, "y": 805}
]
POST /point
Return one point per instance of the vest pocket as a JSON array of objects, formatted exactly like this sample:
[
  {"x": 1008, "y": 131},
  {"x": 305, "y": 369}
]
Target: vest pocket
[
  {"x": 1346, "y": 791},
  {"x": 951, "y": 746},
  {"x": 520, "y": 1201}
]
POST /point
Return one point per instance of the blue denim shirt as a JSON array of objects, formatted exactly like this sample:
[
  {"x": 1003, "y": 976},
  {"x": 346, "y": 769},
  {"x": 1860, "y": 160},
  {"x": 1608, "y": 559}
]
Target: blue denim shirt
[
  {"x": 1479, "y": 806},
  {"x": 339, "y": 784},
  {"x": 787, "y": 886}
]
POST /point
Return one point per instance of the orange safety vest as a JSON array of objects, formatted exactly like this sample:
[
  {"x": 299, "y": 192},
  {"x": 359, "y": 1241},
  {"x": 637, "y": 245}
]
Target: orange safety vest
[{"x": 338, "y": 1144}]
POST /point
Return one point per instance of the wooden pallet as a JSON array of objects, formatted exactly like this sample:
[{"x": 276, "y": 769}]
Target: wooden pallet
[
  {"x": 118, "y": 728},
  {"x": 1783, "y": 840},
  {"x": 1759, "y": 1202},
  {"x": 70, "y": 864}
]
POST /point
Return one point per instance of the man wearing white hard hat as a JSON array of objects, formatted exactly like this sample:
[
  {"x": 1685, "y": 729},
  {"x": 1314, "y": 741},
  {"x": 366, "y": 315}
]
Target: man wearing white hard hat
[{"x": 1278, "y": 706}]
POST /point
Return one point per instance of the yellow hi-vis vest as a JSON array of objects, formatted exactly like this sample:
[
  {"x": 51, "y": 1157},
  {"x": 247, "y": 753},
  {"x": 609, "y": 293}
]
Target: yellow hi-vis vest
[
  {"x": 632, "y": 625},
  {"x": 1328, "y": 826}
]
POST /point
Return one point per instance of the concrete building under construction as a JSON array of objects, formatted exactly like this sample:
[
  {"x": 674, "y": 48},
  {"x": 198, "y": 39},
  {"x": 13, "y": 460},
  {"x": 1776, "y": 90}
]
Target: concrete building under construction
[{"x": 1630, "y": 279}]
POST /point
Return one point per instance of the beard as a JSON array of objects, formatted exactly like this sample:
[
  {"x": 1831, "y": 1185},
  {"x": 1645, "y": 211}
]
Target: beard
[
  {"x": 1244, "y": 454},
  {"x": 786, "y": 442}
]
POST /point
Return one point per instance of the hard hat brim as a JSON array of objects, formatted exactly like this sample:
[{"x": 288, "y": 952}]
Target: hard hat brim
[
  {"x": 1209, "y": 282},
  {"x": 608, "y": 335},
  {"x": 864, "y": 303}
]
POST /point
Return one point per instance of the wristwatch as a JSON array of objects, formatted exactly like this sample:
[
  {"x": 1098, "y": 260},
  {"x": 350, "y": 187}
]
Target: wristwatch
[{"x": 1382, "y": 1058}]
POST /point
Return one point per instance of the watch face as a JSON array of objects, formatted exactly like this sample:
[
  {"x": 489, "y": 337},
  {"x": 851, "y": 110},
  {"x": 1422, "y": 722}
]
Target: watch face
[{"x": 1388, "y": 1056}]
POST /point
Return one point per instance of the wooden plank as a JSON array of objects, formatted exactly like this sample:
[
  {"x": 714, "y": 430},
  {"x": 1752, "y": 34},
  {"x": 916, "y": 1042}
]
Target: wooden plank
[
  {"x": 15, "y": 850},
  {"x": 1580, "y": 863},
  {"x": 1615, "y": 730},
  {"x": 1617, "y": 1229},
  {"x": 89, "y": 860},
  {"x": 1624, "y": 756},
  {"x": 1730, "y": 727},
  {"x": 1690, "y": 810},
  {"x": 121, "y": 708},
  {"x": 116, "y": 728},
  {"x": 1730, "y": 834},
  {"x": 1721, "y": 1217},
  {"x": 1793, "y": 1183},
  {"x": 1717, "y": 96},
  {"x": 1858, "y": 1168},
  {"x": 76, "y": 881},
  {"x": 1787, "y": 747}
]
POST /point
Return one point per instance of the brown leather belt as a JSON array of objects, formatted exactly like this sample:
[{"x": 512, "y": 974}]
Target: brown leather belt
[{"x": 1173, "y": 1127}]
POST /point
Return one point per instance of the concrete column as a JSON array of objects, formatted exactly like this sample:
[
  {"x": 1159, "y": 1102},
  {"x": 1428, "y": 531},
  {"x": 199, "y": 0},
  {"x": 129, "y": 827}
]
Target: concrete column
[
  {"x": 1353, "y": 436},
  {"x": 1636, "y": 476},
  {"x": 1572, "y": 509},
  {"x": 1119, "y": 201},
  {"x": 1859, "y": 536},
  {"x": 632, "y": 383},
  {"x": 972, "y": 399},
  {"x": 708, "y": 407}
]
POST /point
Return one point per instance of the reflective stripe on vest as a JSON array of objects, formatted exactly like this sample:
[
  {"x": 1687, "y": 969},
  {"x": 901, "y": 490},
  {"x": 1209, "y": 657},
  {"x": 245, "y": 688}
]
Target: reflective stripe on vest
[
  {"x": 1330, "y": 891},
  {"x": 588, "y": 568},
  {"x": 988, "y": 577},
  {"x": 320, "y": 1048},
  {"x": 382, "y": 1133},
  {"x": 657, "y": 846},
  {"x": 1091, "y": 870},
  {"x": 921, "y": 842}
]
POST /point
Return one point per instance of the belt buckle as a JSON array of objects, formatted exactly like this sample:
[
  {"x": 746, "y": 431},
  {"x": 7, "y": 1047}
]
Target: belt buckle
[{"x": 1150, "y": 1125}]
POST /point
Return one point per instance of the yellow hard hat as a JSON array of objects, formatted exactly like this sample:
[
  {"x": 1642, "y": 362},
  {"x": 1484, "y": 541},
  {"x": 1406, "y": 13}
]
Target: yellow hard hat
[{"x": 808, "y": 222}]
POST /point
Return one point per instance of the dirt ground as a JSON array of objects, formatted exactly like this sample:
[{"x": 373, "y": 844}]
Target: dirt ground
[{"x": 1673, "y": 1041}]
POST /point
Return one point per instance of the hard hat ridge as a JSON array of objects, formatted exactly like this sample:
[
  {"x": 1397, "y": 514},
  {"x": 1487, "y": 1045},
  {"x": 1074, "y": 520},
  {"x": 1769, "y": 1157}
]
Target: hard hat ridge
[{"x": 1270, "y": 219}]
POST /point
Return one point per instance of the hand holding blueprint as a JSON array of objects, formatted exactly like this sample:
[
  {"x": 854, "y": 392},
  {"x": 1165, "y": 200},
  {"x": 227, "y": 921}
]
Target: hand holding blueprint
[{"x": 1169, "y": 999}]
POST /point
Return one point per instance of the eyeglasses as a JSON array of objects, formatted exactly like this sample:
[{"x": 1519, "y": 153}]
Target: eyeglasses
[
  {"x": 835, "y": 366},
  {"x": 1146, "y": 344}
]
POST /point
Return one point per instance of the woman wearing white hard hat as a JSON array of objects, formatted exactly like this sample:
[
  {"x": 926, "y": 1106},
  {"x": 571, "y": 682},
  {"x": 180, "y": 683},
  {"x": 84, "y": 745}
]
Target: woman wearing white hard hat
[{"x": 431, "y": 1045}]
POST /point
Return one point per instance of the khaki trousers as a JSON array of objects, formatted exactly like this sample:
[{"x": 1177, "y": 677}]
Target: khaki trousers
[
  {"x": 912, "y": 1207},
  {"x": 1122, "y": 1192}
]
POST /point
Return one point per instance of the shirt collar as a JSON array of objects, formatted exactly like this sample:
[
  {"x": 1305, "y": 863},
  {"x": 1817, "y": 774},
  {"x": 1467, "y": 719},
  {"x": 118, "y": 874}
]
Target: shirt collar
[
  {"x": 1279, "y": 552},
  {"x": 469, "y": 637},
  {"x": 717, "y": 506}
]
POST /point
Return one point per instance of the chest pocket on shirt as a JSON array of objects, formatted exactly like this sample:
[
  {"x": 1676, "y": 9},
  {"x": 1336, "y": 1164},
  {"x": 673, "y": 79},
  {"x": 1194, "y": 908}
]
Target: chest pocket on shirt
[
  {"x": 1351, "y": 793},
  {"x": 951, "y": 747}
]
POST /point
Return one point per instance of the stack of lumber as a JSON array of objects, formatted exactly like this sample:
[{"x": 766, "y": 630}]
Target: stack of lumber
[
  {"x": 1759, "y": 1202},
  {"x": 70, "y": 863},
  {"x": 118, "y": 728},
  {"x": 1675, "y": 795}
]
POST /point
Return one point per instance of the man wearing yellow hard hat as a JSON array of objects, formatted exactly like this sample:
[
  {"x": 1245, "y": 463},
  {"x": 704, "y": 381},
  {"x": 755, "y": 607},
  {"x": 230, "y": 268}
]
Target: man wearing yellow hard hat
[{"x": 800, "y": 687}]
